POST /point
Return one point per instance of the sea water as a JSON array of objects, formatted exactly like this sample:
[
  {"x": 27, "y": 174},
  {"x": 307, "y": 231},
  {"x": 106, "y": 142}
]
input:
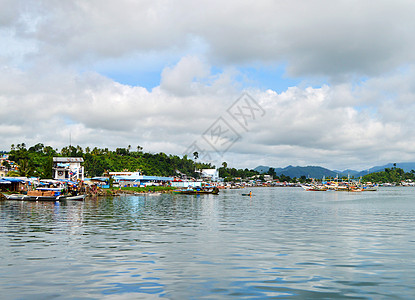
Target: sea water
[{"x": 281, "y": 242}]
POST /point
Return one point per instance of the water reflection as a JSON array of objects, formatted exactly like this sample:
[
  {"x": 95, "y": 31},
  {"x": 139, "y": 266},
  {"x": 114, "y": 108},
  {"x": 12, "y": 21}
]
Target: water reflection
[{"x": 281, "y": 243}]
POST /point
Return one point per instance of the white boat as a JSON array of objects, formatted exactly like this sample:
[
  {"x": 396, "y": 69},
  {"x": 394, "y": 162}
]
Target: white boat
[
  {"x": 373, "y": 188},
  {"x": 77, "y": 197},
  {"x": 54, "y": 198},
  {"x": 44, "y": 197},
  {"x": 320, "y": 188},
  {"x": 15, "y": 196}
]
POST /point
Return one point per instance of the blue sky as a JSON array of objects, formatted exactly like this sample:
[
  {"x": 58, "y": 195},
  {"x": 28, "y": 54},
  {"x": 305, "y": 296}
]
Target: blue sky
[{"x": 146, "y": 72}]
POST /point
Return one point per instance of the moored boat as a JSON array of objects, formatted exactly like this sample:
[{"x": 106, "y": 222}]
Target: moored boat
[
  {"x": 197, "y": 191},
  {"x": 44, "y": 197},
  {"x": 77, "y": 197},
  {"x": 46, "y": 194},
  {"x": 15, "y": 196},
  {"x": 318, "y": 188}
]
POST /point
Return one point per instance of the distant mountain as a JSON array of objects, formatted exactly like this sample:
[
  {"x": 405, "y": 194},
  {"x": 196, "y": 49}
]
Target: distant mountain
[
  {"x": 406, "y": 166},
  {"x": 309, "y": 171},
  {"x": 320, "y": 172},
  {"x": 347, "y": 172}
]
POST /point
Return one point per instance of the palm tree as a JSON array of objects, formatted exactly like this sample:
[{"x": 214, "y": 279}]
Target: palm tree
[{"x": 25, "y": 169}]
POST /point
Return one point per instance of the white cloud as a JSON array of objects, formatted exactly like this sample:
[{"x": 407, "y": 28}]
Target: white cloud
[
  {"x": 50, "y": 89},
  {"x": 336, "y": 39},
  {"x": 184, "y": 77},
  {"x": 300, "y": 126}
]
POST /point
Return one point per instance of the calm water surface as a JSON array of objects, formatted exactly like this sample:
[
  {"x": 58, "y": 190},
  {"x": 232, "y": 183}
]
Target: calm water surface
[{"x": 280, "y": 243}]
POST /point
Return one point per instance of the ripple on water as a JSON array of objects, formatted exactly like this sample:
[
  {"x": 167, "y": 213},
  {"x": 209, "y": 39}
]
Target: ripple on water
[{"x": 283, "y": 242}]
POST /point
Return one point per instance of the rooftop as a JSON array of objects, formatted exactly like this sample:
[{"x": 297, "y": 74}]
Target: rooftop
[{"x": 68, "y": 159}]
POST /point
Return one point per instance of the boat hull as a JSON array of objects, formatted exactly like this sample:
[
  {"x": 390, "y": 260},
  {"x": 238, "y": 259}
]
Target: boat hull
[
  {"x": 45, "y": 198},
  {"x": 213, "y": 191},
  {"x": 15, "y": 197},
  {"x": 195, "y": 192}
]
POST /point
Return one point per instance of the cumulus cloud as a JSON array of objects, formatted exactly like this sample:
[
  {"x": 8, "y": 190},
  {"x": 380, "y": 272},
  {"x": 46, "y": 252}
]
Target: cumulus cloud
[
  {"x": 300, "y": 125},
  {"x": 49, "y": 88},
  {"x": 183, "y": 77},
  {"x": 336, "y": 39}
]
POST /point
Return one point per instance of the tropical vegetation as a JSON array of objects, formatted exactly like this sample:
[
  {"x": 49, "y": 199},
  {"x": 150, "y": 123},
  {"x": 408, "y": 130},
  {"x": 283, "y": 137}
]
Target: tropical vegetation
[
  {"x": 390, "y": 175},
  {"x": 37, "y": 161}
]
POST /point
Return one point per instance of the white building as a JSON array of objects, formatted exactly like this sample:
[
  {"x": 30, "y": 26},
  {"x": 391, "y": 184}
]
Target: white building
[
  {"x": 210, "y": 174},
  {"x": 132, "y": 174},
  {"x": 186, "y": 184},
  {"x": 68, "y": 168}
]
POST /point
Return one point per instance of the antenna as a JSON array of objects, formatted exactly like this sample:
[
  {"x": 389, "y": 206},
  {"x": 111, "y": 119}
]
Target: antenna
[{"x": 70, "y": 140}]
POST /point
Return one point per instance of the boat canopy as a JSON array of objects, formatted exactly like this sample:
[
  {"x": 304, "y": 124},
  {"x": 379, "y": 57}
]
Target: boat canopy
[
  {"x": 100, "y": 178},
  {"x": 13, "y": 179},
  {"x": 49, "y": 189}
]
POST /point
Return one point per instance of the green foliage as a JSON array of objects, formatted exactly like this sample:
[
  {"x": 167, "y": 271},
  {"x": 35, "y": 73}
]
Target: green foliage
[
  {"x": 271, "y": 171},
  {"x": 283, "y": 178},
  {"x": 230, "y": 173},
  {"x": 35, "y": 161},
  {"x": 389, "y": 175},
  {"x": 38, "y": 159}
]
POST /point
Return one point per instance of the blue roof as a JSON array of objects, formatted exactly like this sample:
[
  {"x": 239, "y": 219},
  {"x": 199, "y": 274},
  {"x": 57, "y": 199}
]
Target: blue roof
[
  {"x": 13, "y": 179},
  {"x": 100, "y": 178}
]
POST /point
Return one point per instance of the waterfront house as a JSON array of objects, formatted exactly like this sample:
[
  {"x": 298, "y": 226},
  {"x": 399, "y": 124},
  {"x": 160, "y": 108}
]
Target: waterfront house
[
  {"x": 210, "y": 174},
  {"x": 68, "y": 168},
  {"x": 125, "y": 179}
]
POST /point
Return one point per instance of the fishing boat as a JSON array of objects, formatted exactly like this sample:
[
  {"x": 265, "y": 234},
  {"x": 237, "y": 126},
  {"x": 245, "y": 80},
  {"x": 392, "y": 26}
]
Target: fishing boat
[
  {"x": 51, "y": 194},
  {"x": 44, "y": 197},
  {"x": 316, "y": 188},
  {"x": 77, "y": 197},
  {"x": 370, "y": 188},
  {"x": 197, "y": 191},
  {"x": 14, "y": 196}
]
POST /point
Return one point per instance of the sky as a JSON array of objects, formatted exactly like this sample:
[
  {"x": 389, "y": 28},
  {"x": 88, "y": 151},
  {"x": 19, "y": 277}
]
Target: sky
[{"x": 270, "y": 82}]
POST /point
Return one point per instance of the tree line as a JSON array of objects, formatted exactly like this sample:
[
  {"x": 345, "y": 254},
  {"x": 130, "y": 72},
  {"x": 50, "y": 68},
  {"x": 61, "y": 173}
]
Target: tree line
[
  {"x": 390, "y": 175},
  {"x": 37, "y": 161}
]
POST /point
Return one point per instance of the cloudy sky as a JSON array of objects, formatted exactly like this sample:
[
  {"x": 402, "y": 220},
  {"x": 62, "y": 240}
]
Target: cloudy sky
[{"x": 328, "y": 83}]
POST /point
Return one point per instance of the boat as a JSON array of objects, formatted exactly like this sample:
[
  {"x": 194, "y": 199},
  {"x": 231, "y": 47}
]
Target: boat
[
  {"x": 355, "y": 189},
  {"x": 317, "y": 188},
  {"x": 44, "y": 197},
  {"x": 77, "y": 197},
  {"x": 197, "y": 191},
  {"x": 249, "y": 194},
  {"x": 51, "y": 194},
  {"x": 15, "y": 196},
  {"x": 370, "y": 188},
  {"x": 55, "y": 198}
]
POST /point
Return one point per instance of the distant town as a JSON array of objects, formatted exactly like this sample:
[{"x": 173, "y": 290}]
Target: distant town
[{"x": 132, "y": 168}]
